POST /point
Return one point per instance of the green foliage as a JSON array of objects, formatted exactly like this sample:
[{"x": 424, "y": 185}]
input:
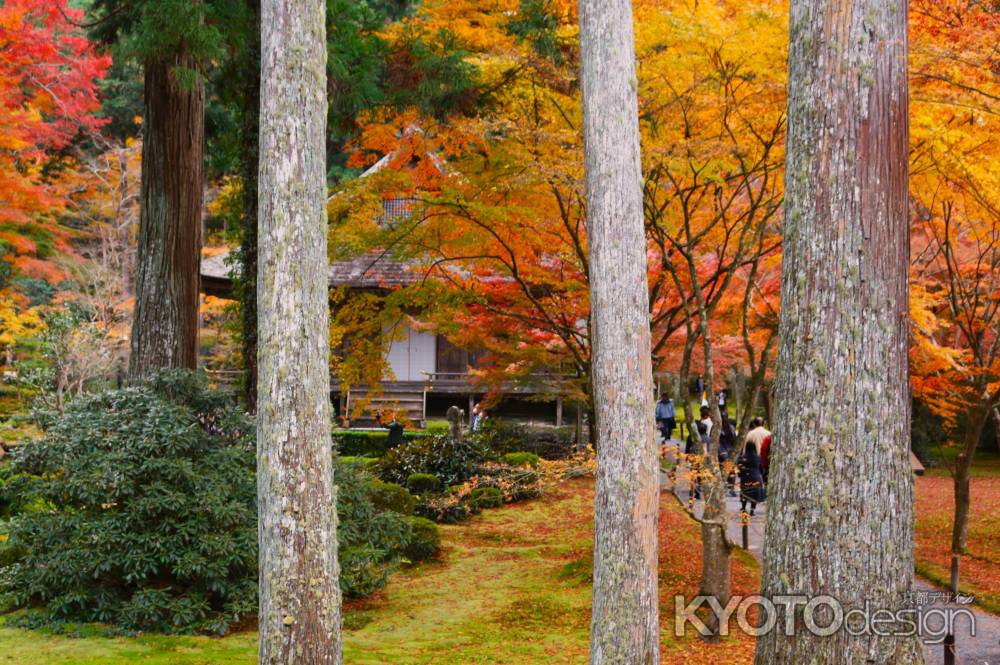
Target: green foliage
[
  {"x": 6, "y": 505},
  {"x": 502, "y": 437},
  {"x": 368, "y": 463},
  {"x": 425, "y": 539},
  {"x": 437, "y": 426},
  {"x": 487, "y": 497},
  {"x": 151, "y": 521},
  {"x": 144, "y": 29},
  {"x": 452, "y": 461},
  {"x": 417, "y": 69},
  {"x": 361, "y": 443},
  {"x": 38, "y": 291},
  {"x": 371, "y": 539},
  {"x": 521, "y": 459},
  {"x": 928, "y": 434},
  {"x": 72, "y": 352},
  {"x": 423, "y": 483},
  {"x": 537, "y": 24},
  {"x": 390, "y": 496}
]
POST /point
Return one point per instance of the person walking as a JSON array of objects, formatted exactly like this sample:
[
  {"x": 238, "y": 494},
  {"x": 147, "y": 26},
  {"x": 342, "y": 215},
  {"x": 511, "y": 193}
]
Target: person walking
[
  {"x": 666, "y": 416},
  {"x": 727, "y": 446},
  {"x": 706, "y": 417},
  {"x": 478, "y": 416},
  {"x": 751, "y": 479},
  {"x": 760, "y": 436}
]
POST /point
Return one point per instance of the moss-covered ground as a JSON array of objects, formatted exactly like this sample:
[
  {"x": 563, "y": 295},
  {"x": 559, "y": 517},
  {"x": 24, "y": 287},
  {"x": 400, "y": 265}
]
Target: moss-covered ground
[{"x": 512, "y": 586}]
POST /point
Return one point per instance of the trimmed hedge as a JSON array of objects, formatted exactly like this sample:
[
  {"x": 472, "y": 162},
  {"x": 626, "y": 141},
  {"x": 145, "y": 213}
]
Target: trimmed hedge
[
  {"x": 362, "y": 443},
  {"x": 452, "y": 461},
  {"x": 522, "y": 459},
  {"x": 551, "y": 443},
  {"x": 423, "y": 483},
  {"x": 425, "y": 539},
  {"x": 390, "y": 496}
]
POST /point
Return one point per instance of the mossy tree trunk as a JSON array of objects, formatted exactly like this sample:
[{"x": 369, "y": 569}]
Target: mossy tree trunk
[
  {"x": 840, "y": 519},
  {"x": 250, "y": 163},
  {"x": 300, "y": 603},
  {"x": 165, "y": 321},
  {"x": 625, "y": 618}
]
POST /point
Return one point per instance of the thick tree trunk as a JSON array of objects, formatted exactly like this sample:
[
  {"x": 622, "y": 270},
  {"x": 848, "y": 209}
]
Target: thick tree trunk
[
  {"x": 300, "y": 600},
  {"x": 625, "y": 619},
  {"x": 165, "y": 323},
  {"x": 250, "y": 153},
  {"x": 840, "y": 521}
]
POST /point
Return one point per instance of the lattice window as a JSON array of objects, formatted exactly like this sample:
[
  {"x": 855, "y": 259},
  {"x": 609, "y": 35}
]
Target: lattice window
[{"x": 395, "y": 209}]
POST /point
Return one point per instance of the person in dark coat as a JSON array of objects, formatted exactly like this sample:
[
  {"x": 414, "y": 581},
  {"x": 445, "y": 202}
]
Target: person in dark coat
[
  {"x": 751, "y": 478},
  {"x": 727, "y": 444}
]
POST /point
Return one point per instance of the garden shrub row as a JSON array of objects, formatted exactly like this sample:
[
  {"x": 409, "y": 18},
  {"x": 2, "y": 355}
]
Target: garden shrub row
[
  {"x": 364, "y": 443},
  {"x": 455, "y": 479},
  {"x": 149, "y": 519},
  {"x": 551, "y": 443}
]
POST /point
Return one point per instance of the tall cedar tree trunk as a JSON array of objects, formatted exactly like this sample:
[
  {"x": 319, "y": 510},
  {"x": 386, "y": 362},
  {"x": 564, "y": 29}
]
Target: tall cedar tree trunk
[
  {"x": 165, "y": 325},
  {"x": 250, "y": 154},
  {"x": 841, "y": 492},
  {"x": 300, "y": 603},
  {"x": 625, "y": 620}
]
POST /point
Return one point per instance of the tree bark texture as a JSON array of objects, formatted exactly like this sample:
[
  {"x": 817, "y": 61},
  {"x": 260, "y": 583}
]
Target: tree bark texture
[
  {"x": 841, "y": 515},
  {"x": 165, "y": 322},
  {"x": 625, "y": 620},
  {"x": 300, "y": 603},
  {"x": 250, "y": 161},
  {"x": 977, "y": 418}
]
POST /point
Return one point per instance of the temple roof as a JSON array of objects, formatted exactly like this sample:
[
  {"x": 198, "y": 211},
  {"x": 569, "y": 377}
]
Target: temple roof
[{"x": 373, "y": 270}]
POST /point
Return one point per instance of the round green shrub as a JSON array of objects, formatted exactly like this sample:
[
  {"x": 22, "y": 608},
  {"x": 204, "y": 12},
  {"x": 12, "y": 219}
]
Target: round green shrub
[
  {"x": 425, "y": 539},
  {"x": 10, "y": 554},
  {"x": 522, "y": 458},
  {"x": 371, "y": 538},
  {"x": 504, "y": 436},
  {"x": 390, "y": 496},
  {"x": 423, "y": 483},
  {"x": 487, "y": 497},
  {"x": 453, "y": 461},
  {"x": 158, "y": 481}
]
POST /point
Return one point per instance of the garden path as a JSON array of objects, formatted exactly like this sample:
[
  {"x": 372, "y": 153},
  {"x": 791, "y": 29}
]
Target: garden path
[{"x": 981, "y": 649}]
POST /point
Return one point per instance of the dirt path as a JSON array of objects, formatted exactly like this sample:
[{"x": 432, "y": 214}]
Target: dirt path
[{"x": 983, "y": 648}]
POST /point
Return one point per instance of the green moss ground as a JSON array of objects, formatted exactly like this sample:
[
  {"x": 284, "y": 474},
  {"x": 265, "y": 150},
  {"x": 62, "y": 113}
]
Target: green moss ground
[{"x": 512, "y": 587}]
